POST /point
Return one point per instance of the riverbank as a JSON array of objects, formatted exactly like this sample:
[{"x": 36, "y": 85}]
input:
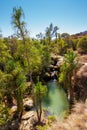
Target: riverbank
[{"x": 77, "y": 120}]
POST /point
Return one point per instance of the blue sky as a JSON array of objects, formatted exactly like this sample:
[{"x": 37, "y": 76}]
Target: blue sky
[{"x": 69, "y": 15}]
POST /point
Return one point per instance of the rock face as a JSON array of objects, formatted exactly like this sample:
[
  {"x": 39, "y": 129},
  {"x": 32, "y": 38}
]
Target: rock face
[
  {"x": 29, "y": 116},
  {"x": 80, "y": 85},
  {"x": 28, "y": 104},
  {"x": 81, "y": 79},
  {"x": 57, "y": 60},
  {"x": 13, "y": 110},
  {"x": 28, "y": 120},
  {"x": 54, "y": 67}
]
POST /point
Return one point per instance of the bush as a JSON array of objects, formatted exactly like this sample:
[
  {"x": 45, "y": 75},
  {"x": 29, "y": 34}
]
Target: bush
[
  {"x": 42, "y": 127},
  {"x": 4, "y": 115},
  {"x": 82, "y": 45},
  {"x": 51, "y": 119}
]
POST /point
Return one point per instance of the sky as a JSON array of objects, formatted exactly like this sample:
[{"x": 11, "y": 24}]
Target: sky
[{"x": 69, "y": 15}]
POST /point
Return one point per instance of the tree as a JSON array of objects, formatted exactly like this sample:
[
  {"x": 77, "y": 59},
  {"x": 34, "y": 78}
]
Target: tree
[
  {"x": 18, "y": 23},
  {"x": 51, "y": 32},
  {"x": 39, "y": 92},
  {"x": 4, "y": 79},
  {"x": 18, "y": 73},
  {"x": 12, "y": 75},
  {"x": 64, "y": 35},
  {"x": 40, "y": 37},
  {"x": 12, "y": 44},
  {"x": 62, "y": 46},
  {"x": 46, "y": 59},
  {"x": 4, "y": 55},
  {"x": 17, "y": 83},
  {"x": 67, "y": 71},
  {"x": 32, "y": 61}
]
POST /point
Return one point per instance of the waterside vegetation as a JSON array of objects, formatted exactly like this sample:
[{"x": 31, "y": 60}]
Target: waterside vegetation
[{"x": 23, "y": 60}]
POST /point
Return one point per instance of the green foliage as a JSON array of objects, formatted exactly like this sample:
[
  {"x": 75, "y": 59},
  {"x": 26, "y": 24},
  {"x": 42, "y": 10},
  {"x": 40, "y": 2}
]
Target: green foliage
[
  {"x": 62, "y": 46},
  {"x": 18, "y": 23},
  {"x": 51, "y": 119},
  {"x": 4, "y": 115},
  {"x": 74, "y": 43},
  {"x": 42, "y": 127},
  {"x": 45, "y": 58},
  {"x": 62, "y": 76},
  {"x": 51, "y": 31},
  {"x": 15, "y": 69},
  {"x": 21, "y": 59},
  {"x": 64, "y": 35},
  {"x": 39, "y": 92},
  {"x": 67, "y": 71},
  {"x": 2, "y": 79},
  {"x": 12, "y": 44},
  {"x": 4, "y": 53},
  {"x": 68, "y": 66},
  {"x": 82, "y": 45},
  {"x": 70, "y": 57},
  {"x": 30, "y": 56}
]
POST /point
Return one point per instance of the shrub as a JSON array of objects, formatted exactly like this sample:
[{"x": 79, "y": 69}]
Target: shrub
[
  {"x": 51, "y": 119},
  {"x": 82, "y": 45}
]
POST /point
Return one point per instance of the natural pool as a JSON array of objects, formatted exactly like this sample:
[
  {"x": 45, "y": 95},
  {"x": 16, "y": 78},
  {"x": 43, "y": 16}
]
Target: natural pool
[{"x": 55, "y": 102}]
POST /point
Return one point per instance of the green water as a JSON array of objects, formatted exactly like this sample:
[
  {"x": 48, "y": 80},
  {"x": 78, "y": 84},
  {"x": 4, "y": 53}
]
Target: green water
[{"x": 55, "y": 102}]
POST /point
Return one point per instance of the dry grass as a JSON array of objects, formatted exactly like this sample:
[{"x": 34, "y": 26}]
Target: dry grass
[{"x": 76, "y": 121}]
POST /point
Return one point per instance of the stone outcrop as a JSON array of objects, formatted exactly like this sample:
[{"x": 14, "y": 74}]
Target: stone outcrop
[
  {"x": 81, "y": 79},
  {"x": 13, "y": 110},
  {"x": 56, "y": 61},
  {"x": 29, "y": 115},
  {"x": 28, "y": 104},
  {"x": 28, "y": 120}
]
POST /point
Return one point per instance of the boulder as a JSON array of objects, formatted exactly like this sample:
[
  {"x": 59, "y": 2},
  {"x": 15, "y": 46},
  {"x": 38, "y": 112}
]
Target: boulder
[
  {"x": 59, "y": 61},
  {"x": 28, "y": 104},
  {"x": 13, "y": 110},
  {"x": 28, "y": 115},
  {"x": 28, "y": 120}
]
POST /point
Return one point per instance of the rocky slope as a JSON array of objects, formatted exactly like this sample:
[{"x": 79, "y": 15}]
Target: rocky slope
[
  {"x": 76, "y": 121},
  {"x": 80, "y": 87}
]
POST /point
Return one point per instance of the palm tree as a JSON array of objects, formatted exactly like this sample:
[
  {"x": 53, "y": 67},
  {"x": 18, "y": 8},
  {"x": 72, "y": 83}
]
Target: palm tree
[
  {"x": 16, "y": 83},
  {"x": 39, "y": 92},
  {"x": 18, "y": 23},
  {"x": 51, "y": 32},
  {"x": 67, "y": 71}
]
